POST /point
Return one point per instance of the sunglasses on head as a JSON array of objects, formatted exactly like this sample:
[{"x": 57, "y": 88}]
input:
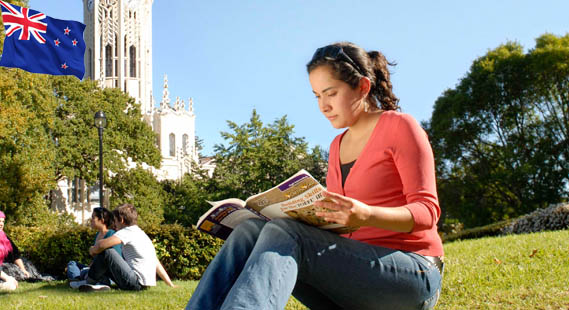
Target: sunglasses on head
[{"x": 334, "y": 52}]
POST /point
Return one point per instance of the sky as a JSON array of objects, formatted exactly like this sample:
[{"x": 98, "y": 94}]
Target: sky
[{"x": 233, "y": 56}]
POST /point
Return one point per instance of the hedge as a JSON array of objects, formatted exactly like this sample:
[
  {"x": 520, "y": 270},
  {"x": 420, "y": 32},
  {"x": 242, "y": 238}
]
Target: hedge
[
  {"x": 554, "y": 217},
  {"x": 184, "y": 252},
  {"x": 494, "y": 229}
]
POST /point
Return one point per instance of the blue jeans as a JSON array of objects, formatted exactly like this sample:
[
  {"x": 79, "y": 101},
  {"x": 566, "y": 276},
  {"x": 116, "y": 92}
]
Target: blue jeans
[
  {"x": 262, "y": 263},
  {"x": 77, "y": 271},
  {"x": 109, "y": 264}
]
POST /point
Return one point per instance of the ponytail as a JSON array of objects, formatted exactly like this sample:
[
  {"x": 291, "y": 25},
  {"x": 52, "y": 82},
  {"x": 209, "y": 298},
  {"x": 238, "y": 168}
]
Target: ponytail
[{"x": 382, "y": 89}]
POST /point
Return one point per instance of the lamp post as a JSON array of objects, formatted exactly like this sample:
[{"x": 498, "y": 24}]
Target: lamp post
[{"x": 100, "y": 123}]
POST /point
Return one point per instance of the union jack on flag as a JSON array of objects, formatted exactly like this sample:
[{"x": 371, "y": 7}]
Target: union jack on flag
[{"x": 38, "y": 43}]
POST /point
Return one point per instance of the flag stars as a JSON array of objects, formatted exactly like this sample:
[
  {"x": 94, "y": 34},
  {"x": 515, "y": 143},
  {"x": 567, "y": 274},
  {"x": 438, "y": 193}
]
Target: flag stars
[
  {"x": 67, "y": 31},
  {"x": 57, "y": 42},
  {"x": 64, "y": 66},
  {"x": 74, "y": 42}
]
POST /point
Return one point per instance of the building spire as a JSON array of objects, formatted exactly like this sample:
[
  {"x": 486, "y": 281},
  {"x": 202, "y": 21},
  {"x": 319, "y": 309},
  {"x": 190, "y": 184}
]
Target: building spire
[
  {"x": 165, "y": 94},
  {"x": 177, "y": 104}
]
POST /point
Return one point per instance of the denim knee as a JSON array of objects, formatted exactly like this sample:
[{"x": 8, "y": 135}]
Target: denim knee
[
  {"x": 249, "y": 227},
  {"x": 285, "y": 227},
  {"x": 110, "y": 255},
  {"x": 285, "y": 231}
]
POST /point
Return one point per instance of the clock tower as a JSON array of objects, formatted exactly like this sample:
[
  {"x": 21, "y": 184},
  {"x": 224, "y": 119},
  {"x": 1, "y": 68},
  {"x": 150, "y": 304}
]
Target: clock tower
[
  {"x": 119, "y": 46},
  {"x": 118, "y": 36}
]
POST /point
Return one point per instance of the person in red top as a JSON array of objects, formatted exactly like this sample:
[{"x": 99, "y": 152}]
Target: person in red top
[{"x": 381, "y": 180}]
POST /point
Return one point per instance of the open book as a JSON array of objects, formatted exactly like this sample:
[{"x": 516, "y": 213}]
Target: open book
[{"x": 293, "y": 198}]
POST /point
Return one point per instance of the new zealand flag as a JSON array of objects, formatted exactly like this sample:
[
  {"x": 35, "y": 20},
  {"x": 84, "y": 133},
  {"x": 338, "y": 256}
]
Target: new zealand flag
[{"x": 40, "y": 44}]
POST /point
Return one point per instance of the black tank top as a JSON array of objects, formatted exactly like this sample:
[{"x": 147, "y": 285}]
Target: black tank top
[{"x": 345, "y": 169}]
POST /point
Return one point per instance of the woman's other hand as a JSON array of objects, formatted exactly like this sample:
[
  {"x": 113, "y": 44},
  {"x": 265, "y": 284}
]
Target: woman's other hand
[
  {"x": 353, "y": 213},
  {"x": 344, "y": 210}
]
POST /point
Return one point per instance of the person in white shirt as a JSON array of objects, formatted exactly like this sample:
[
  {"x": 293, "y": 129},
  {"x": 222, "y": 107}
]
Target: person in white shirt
[{"x": 137, "y": 270}]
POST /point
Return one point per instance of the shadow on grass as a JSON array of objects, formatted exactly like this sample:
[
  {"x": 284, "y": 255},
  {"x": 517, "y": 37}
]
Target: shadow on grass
[{"x": 62, "y": 287}]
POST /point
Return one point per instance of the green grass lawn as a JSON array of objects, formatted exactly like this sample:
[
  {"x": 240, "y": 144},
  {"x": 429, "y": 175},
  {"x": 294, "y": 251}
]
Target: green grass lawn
[{"x": 513, "y": 272}]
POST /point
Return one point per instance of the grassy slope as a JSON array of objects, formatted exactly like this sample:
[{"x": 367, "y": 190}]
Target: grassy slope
[{"x": 513, "y": 272}]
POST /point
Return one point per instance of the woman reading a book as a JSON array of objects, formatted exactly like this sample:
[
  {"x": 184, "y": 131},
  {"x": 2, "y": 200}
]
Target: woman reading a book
[{"x": 380, "y": 178}]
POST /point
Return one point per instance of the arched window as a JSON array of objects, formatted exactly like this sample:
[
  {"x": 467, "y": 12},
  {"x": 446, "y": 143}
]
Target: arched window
[
  {"x": 125, "y": 57},
  {"x": 132, "y": 61},
  {"x": 172, "y": 145},
  {"x": 117, "y": 68},
  {"x": 185, "y": 143},
  {"x": 102, "y": 52},
  {"x": 108, "y": 60}
]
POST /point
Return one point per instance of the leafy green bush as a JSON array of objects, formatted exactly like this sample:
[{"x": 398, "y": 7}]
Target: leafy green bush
[
  {"x": 184, "y": 252},
  {"x": 50, "y": 247}
]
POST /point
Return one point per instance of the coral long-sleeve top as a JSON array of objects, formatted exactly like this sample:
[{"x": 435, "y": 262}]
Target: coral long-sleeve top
[{"x": 395, "y": 169}]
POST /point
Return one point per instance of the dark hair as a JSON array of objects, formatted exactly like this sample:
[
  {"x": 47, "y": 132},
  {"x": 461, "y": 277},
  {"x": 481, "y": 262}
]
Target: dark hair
[
  {"x": 372, "y": 65},
  {"x": 127, "y": 214},
  {"x": 104, "y": 215}
]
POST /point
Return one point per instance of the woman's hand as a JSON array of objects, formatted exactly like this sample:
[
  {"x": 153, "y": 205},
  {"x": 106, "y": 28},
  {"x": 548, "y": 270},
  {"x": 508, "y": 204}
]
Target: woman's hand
[
  {"x": 344, "y": 210},
  {"x": 20, "y": 263},
  {"x": 353, "y": 213}
]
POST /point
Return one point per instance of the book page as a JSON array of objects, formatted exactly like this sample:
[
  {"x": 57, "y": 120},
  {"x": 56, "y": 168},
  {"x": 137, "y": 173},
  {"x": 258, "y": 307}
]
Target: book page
[{"x": 294, "y": 198}]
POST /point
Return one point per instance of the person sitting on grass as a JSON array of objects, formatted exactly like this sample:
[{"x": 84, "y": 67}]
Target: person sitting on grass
[
  {"x": 9, "y": 252},
  {"x": 381, "y": 180},
  {"x": 101, "y": 221},
  {"x": 137, "y": 270}
]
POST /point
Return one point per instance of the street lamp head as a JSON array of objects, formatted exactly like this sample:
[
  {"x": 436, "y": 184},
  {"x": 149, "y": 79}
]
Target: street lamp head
[{"x": 100, "y": 119}]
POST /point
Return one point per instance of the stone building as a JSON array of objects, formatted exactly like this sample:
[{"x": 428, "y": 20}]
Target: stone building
[
  {"x": 118, "y": 37},
  {"x": 119, "y": 54}
]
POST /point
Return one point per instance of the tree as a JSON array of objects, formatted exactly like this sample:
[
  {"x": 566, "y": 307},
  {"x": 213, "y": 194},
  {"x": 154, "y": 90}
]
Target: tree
[
  {"x": 27, "y": 152},
  {"x": 140, "y": 188},
  {"x": 47, "y": 133},
  {"x": 188, "y": 197},
  {"x": 258, "y": 157},
  {"x": 127, "y": 138},
  {"x": 501, "y": 137},
  {"x": 199, "y": 146}
]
